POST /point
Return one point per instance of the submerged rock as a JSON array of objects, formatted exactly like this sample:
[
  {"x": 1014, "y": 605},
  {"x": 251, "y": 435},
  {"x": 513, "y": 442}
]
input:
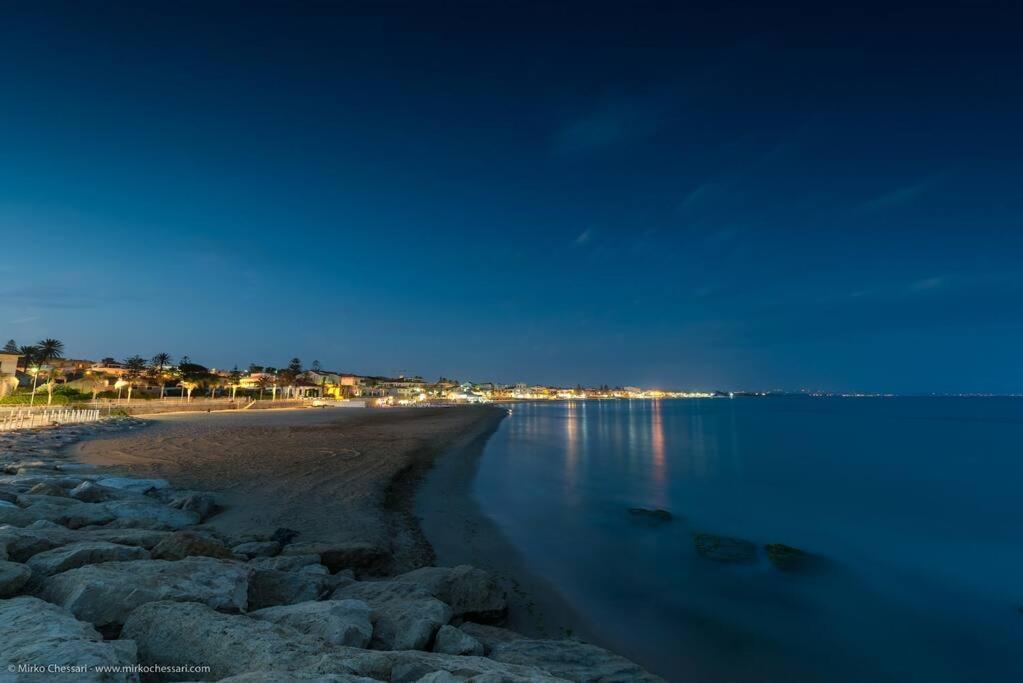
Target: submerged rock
[
  {"x": 786, "y": 557},
  {"x": 724, "y": 549},
  {"x": 652, "y": 514}
]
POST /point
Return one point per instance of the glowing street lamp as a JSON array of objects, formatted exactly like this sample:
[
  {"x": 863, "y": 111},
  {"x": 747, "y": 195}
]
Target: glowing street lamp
[{"x": 34, "y": 371}]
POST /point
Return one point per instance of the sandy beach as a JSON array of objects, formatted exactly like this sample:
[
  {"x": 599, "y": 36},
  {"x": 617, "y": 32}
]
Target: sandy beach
[{"x": 332, "y": 475}]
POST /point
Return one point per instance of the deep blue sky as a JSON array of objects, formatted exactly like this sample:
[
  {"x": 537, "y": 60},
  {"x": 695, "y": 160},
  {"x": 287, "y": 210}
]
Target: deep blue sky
[{"x": 648, "y": 194}]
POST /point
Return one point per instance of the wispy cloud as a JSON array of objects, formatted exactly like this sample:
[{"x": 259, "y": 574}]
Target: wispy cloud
[
  {"x": 898, "y": 197},
  {"x": 927, "y": 284},
  {"x": 607, "y": 126},
  {"x": 584, "y": 237},
  {"x": 699, "y": 196}
]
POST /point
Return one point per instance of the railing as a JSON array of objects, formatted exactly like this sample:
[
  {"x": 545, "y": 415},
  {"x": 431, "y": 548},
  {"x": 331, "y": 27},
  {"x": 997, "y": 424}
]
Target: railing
[{"x": 28, "y": 418}]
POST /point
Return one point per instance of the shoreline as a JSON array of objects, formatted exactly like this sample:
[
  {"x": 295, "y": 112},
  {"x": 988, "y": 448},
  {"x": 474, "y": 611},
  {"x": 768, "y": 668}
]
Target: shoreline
[{"x": 460, "y": 533}]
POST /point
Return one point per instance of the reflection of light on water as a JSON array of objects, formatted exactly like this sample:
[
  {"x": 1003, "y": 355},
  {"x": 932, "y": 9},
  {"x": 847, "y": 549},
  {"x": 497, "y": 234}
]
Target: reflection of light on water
[
  {"x": 571, "y": 446},
  {"x": 657, "y": 448}
]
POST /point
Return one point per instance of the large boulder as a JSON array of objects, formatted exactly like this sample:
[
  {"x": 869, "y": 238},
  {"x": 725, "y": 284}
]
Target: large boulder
[
  {"x": 489, "y": 636},
  {"x": 202, "y": 504},
  {"x": 411, "y": 666},
  {"x": 143, "y": 538},
  {"x": 405, "y": 615},
  {"x": 74, "y": 555},
  {"x": 134, "y": 485},
  {"x": 294, "y": 677},
  {"x": 472, "y": 593},
  {"x": 13, "y": 576},
  {"x": 183, "y": 634},
  {"x": 151, "y": 515},
  {"x": 105, "y": 594},
  {"x": 182, "y": 544},
  {"x": 364, "y": 559},
  {"x": 22, "y": 543},
  {"x": 48, "y": 488},
  {"x": 257, "y": 549},
  {"x": 453, "y": 641},
  {"x": 287, "y": 563},
  {"x": 573, "y": 660},
  {"x": 336, "y": 622},
  {"x": 34, "y": 633},
  {"x": 15, "y": 516},
  {"x": 268, "y": 588},
  {"x": 91, "y": 492}
]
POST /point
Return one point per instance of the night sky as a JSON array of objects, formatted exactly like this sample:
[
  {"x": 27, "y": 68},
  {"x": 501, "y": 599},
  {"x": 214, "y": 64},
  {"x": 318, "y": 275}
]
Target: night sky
[{"x": 643, "y": 194}]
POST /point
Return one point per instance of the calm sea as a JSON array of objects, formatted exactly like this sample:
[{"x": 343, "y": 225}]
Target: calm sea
[{"x": 912, "y": 508}]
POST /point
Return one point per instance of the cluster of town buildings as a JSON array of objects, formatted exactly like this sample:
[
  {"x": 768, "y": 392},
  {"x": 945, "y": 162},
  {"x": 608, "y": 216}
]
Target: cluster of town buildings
[{"x": 106, "y": 375}]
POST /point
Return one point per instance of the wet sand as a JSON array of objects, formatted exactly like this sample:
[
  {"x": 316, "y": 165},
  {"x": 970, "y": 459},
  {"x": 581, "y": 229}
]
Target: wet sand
[
  {"x": 334, "y": 475},
  {"x": 460, "y": 533}
]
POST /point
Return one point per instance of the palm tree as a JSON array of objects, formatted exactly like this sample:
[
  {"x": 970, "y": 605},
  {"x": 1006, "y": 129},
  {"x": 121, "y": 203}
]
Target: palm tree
[
  {"x": 235, "y": 381},
  {"x": 96, "y": 384},
  {"x": 29, "y": 355},
  {"x": 50, "y": 349},
  {"x": 188, "y": 386},
  {"x": 51, "y": 383},
  {"x": 263, "y": 381},
  {"x": 134, "y": 366},
  {"x": 11, "y": 347},
  {"x": 159, "y": 363}
]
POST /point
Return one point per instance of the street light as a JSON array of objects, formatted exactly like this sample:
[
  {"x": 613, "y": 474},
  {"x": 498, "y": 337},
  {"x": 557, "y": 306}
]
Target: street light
[{"x": 34, "y": 371}]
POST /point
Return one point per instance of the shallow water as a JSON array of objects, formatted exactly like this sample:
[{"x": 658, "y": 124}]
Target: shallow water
[{"x": 912, "y": 508}]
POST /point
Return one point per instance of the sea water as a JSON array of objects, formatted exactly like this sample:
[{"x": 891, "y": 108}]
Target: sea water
[{"x": 911, "y": 509}]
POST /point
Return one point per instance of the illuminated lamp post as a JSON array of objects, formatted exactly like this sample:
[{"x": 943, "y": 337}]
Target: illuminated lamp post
[{"x": 34, "y": 371}]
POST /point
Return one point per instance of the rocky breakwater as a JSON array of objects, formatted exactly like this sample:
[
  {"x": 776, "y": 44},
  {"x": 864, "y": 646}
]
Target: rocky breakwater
[{"x": 99, "y": 571}]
